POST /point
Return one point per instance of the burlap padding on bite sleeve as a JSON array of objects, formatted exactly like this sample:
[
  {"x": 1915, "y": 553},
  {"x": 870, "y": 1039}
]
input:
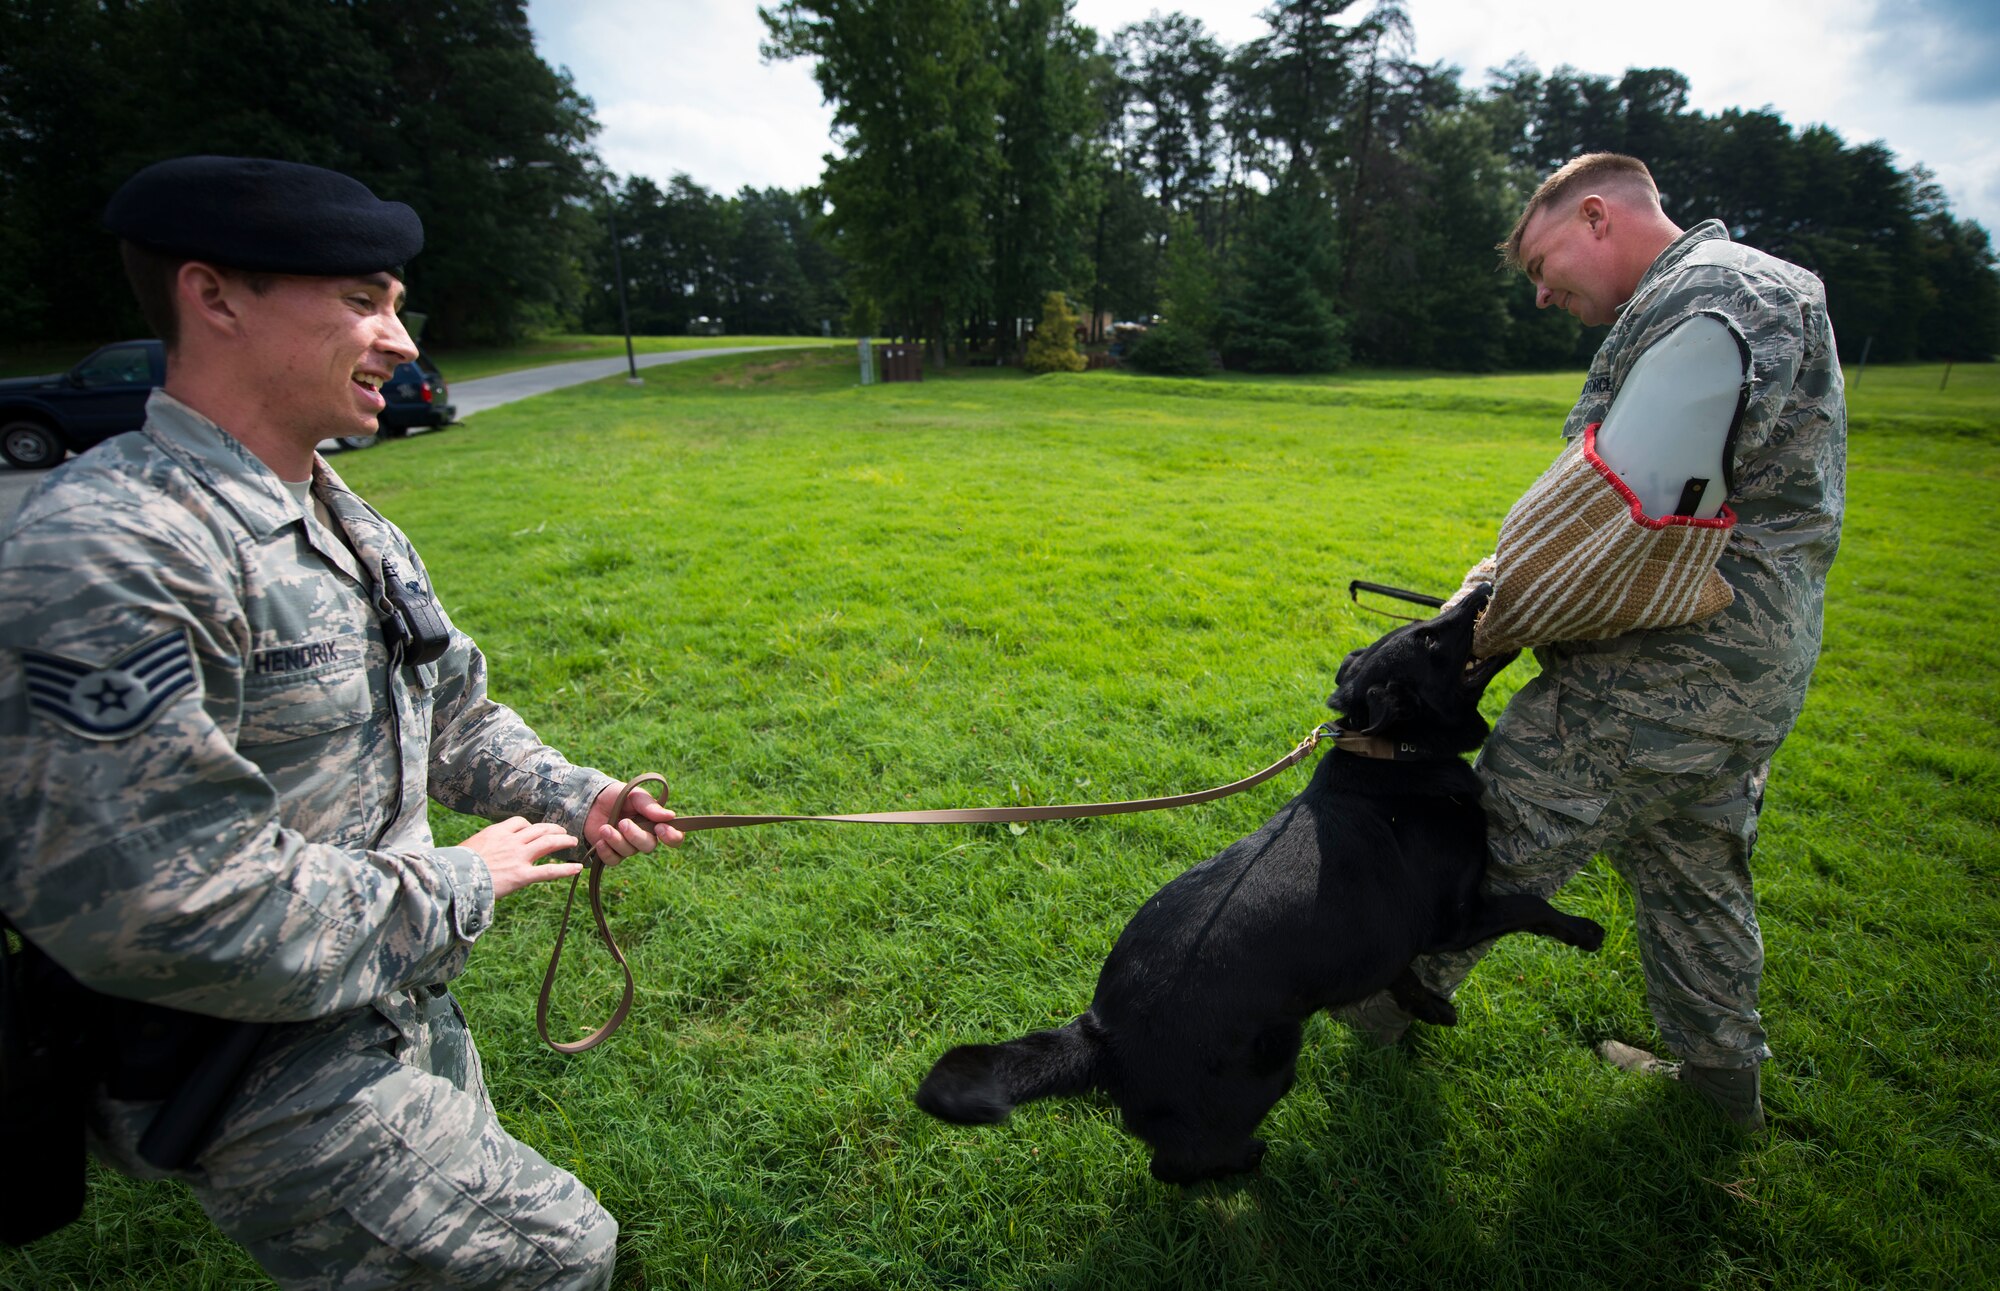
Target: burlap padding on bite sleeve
[{"x": 1579, "y": 559}]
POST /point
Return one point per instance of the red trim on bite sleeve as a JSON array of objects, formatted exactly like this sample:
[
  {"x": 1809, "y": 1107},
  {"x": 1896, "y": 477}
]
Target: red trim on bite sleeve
[{"x": 1726, "y": 519}]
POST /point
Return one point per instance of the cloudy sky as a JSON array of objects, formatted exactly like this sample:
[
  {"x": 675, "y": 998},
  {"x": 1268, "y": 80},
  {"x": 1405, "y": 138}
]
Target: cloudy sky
[{"x": 679, "y": 86}]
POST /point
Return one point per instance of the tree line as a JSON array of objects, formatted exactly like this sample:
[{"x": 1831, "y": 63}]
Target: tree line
[
  {"x": 444, "y": 104},
  {"x": 1313, "y": 196},
  {"x": 754, "y": 264}
]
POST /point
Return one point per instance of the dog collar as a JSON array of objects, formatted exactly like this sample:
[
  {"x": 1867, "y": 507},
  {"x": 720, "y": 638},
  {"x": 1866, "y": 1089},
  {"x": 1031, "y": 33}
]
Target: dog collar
[{"x": 1378, "y": 746}]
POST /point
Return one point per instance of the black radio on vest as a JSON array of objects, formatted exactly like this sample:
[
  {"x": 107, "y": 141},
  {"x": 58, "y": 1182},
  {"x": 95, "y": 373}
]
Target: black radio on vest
[{"x": 411, "y": 619}]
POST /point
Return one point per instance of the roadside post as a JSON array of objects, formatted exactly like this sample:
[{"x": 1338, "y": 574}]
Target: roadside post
[{"x": 867, "y": 363}]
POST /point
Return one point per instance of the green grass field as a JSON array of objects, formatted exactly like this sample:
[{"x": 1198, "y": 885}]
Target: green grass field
[{"x": 789, "y": 593}]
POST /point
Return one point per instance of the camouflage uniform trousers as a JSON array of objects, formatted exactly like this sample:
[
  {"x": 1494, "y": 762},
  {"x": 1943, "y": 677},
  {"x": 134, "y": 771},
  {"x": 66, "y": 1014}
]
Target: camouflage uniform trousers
[
  {"x": 1676, "y": 814},
  {"x": 355, "y": 1156}
]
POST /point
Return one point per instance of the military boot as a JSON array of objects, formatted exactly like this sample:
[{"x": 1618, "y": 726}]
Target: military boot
[
  {"x": 1732, "y": 1089},
  {"x": 1378, "y": 1018}
]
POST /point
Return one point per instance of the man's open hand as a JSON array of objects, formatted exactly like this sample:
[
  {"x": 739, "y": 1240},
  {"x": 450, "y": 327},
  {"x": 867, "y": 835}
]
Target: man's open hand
[
  {"x": 639, "y": 826},
  {"x": 513, "y": 848}
]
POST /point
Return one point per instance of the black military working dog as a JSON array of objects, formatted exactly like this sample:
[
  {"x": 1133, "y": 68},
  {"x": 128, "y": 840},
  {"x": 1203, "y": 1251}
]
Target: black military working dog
[{"x": 1195, "y": 1028}]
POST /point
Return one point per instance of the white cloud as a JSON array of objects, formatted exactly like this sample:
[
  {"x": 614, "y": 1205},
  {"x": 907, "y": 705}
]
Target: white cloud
[
  {"x": 1814, "y": 62},
  {"x": 679, "y": 86},
  {"x": 1946, "y": 51}
]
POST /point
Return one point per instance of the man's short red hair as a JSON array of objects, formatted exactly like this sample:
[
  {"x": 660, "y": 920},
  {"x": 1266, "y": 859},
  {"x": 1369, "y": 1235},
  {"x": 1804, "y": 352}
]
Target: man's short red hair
[{"x": 1592, "y": 170}]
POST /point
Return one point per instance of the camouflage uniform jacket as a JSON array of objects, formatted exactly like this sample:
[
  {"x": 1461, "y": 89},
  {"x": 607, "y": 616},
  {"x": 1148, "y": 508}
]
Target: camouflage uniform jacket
[
  {"x": 215, "y": 777},
  {"x": 1742, "y": 674}
]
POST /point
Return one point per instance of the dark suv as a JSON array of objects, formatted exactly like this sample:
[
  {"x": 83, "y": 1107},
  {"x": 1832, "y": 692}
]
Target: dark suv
[
  {"x": 44, "y": 418},
  {"x": 417, "y": 396}
]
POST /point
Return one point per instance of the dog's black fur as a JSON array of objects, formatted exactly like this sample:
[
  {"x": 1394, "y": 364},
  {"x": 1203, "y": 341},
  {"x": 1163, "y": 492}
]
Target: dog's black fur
[{"x": 1196, "y": 1024}]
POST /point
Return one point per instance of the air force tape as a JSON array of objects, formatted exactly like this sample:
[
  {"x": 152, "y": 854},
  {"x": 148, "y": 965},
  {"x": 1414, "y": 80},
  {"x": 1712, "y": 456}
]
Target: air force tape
[{"x": 113, "y": 702}]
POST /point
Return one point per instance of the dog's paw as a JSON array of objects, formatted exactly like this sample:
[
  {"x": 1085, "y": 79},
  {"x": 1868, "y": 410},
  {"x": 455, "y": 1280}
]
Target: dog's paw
[
  {"x": 1585, "y": 934},
  {"x": 1421, "y": 1002},
  {"x": 1185, "y": 1170}
]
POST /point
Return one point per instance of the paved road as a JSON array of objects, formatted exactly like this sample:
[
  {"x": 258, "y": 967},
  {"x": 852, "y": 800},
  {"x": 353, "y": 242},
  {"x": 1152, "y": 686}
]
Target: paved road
[
  {"x": 490, "y": 392},
  {"x": 468, "y": 397}
]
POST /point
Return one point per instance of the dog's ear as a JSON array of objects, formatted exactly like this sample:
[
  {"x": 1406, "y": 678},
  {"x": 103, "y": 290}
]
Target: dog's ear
[
  {"x": 1378, "y": 705},
  {"x": 1340, "y": 675},
  {"x": 1388, "y": 702},
  {"x": 1342, "y": 700}
]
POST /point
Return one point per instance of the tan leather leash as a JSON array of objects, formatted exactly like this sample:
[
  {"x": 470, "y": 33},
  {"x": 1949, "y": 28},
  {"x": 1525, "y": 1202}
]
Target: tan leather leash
[{"x": 941, "y": 816}]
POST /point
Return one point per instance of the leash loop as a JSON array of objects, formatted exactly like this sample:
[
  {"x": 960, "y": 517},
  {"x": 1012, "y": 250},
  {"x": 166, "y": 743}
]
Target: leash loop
[{"x": 596, "y": 867}]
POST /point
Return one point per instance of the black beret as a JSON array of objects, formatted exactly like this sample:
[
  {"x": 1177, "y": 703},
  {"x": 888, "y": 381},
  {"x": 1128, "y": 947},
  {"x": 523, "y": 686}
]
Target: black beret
[{"x": 264, "y": 216}]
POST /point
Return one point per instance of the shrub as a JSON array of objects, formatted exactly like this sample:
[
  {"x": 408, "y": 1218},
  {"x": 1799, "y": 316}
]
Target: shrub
[
  {"x": 1053, "y": 346},
  {"x": 1170, "y": 349}
]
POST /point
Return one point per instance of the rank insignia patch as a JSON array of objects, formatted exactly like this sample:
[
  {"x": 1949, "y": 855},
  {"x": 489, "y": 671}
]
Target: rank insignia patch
[{"x": 113, "y": 702}]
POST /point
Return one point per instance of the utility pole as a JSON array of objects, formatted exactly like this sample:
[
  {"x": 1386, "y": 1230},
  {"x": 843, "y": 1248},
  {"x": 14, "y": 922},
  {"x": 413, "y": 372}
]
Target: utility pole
[
  {"x": 617, "y": 262},
  {"x": 618, "y": 272}
]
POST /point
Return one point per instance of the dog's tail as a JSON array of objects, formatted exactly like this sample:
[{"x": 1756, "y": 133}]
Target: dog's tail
[{"x": 978, "y": 1084}]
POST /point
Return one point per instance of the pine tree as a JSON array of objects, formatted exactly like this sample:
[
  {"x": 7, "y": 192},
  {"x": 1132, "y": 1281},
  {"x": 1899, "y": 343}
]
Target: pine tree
[
  {"x": 1179, "y": 345},
  {"x": 1281, "y": 316}
]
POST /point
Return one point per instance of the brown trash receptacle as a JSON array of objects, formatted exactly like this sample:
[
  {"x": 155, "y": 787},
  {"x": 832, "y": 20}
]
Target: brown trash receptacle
[{"x": 900, "y": 362}]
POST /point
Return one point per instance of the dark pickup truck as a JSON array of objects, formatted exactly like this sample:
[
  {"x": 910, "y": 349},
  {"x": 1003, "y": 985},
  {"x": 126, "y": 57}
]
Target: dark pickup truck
[{"x": 42, "y": 419}]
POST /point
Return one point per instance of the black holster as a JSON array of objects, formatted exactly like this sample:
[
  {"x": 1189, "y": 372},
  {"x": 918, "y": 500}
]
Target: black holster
[
  {"x": 47, "y": 1055},
  {"x": 61, "y": 1042}
]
